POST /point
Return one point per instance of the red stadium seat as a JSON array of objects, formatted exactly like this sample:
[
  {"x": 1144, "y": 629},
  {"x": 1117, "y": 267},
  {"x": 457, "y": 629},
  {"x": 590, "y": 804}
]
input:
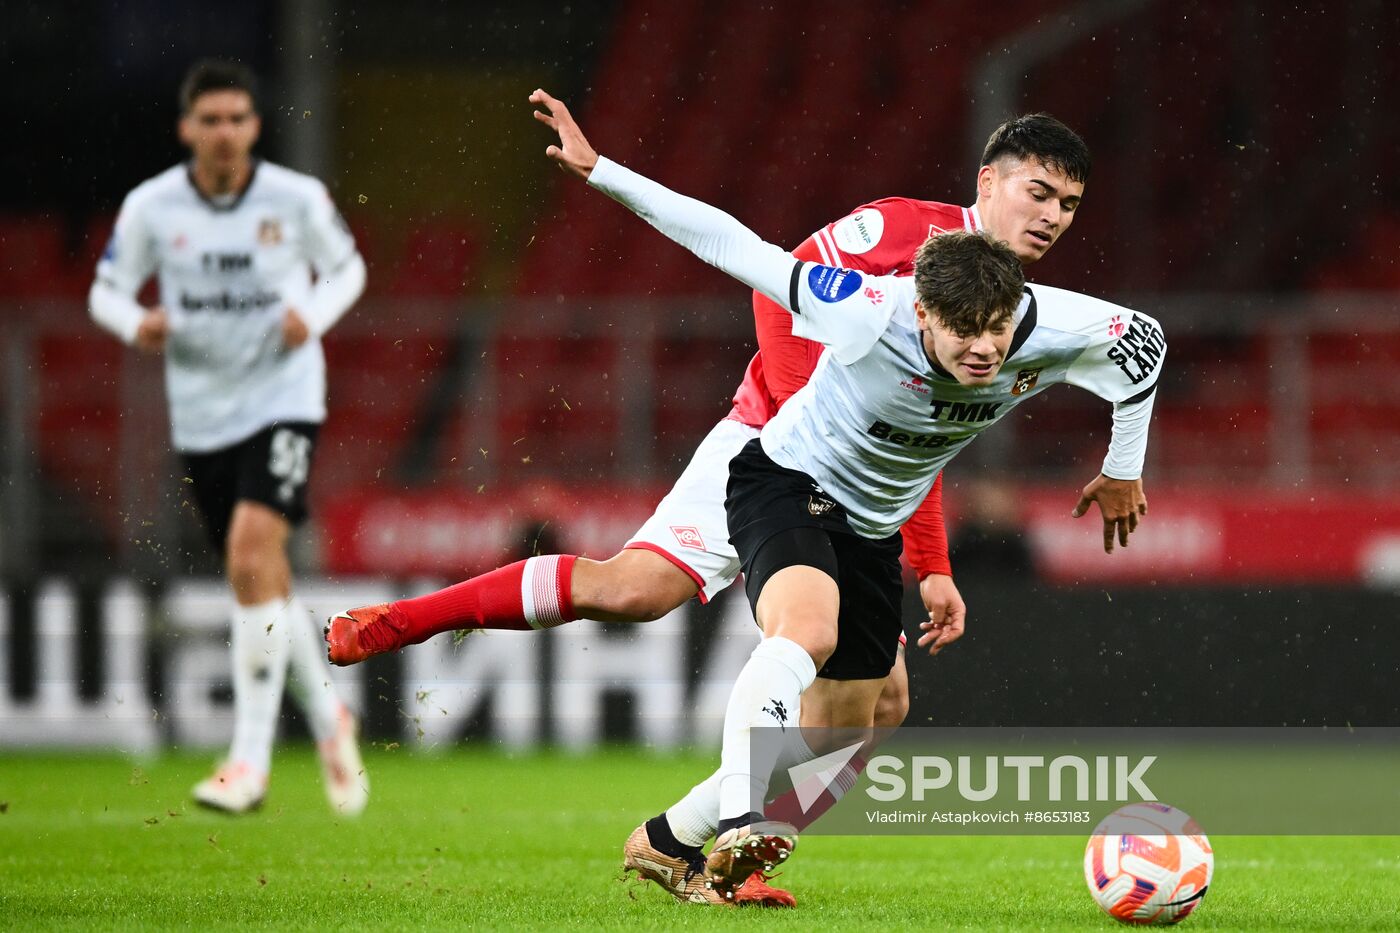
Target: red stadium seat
[
  {"x": 33, "y": 256},
  {"x": 78, "y": 420},
  {"x": 438, "y": 260}
]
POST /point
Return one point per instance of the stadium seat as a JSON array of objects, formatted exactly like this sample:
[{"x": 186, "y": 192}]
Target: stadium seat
[
  {"x": 78, "y": 417},
  {"x": 33, "y": 256},
  {"x": 438, "y": 259}
]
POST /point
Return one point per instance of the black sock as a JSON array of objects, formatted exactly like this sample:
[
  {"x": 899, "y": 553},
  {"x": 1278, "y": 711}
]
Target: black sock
[
  {"x": 663, "y": 840},
  {"x": 734, "y": 822}
]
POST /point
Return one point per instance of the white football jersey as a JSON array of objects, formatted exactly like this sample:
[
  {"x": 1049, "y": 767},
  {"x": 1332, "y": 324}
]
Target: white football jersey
[
  {"x": 878, "y": 420},
  {"x": 227, "y": 274}
]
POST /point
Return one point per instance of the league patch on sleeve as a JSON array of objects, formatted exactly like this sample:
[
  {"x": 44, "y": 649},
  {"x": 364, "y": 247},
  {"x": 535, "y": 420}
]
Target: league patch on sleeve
[
  {"x": 832, "y": 285},
  {"x": 860, "y": 232}
]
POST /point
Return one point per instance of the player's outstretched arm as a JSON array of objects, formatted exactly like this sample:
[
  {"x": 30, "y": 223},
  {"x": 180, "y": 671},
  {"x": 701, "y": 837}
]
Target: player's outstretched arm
[
  {"x": 1121, "y": 364},
  {"x": 1121, "y": 501},
  {"x": 847, "y": 319},
  {"x": 706, "y": 231}
]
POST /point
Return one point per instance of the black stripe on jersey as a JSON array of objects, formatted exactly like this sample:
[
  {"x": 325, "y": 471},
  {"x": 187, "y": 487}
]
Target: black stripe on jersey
[
  {"x": 792, "y": 287},
  {"x": 209, "y": 202},
  {"x": 938, "y": 371},
  {"x": 1141, "y": 396},
  {"x": 1023, "y": 330}
]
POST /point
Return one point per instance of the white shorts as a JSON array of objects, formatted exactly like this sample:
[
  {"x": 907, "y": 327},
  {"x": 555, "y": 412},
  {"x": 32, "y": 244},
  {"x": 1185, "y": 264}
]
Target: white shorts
[{"x": 689, "y": 528}]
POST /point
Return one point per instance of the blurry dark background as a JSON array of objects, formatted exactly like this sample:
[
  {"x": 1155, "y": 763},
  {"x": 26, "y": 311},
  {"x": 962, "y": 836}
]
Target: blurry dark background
[
  {"x": 1239, "y": 145},
  {"x": 521, "y": 333}
]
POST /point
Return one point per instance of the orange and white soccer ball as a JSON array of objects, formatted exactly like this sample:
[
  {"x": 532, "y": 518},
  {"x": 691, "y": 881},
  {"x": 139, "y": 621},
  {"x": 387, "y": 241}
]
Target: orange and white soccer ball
[{"x": 1148, "y": 863}]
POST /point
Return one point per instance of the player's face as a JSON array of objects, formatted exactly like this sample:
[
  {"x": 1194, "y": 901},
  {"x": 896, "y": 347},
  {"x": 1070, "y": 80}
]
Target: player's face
[
  {"x": 220, "y": 129},
  {"x": 1027, "y": 204},
  {"x": 973, "y": 361}
]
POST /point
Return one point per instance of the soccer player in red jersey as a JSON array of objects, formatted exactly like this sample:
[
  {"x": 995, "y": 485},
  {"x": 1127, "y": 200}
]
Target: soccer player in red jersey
[{"x": 1028, "y": 188}]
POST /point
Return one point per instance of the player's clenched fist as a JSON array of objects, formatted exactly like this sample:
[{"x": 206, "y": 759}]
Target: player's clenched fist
[
  {"x": 154, "y": 328},
  {"x": 294, "y": 330},
  {"x": 573, "y": 153}
]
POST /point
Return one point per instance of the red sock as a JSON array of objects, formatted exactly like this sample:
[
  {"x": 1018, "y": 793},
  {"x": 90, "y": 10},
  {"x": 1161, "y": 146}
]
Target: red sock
[
  {"x": 525, "y": 595},
  {"x": 787, "y": 808}
]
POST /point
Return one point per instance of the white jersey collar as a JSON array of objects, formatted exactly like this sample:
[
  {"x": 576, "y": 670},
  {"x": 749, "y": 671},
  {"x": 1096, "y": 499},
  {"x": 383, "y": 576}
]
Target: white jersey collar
[{"x": 228, "y": 203}]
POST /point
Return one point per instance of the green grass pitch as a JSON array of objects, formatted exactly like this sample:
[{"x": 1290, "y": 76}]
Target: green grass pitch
[{"x": 477, "y": 839}]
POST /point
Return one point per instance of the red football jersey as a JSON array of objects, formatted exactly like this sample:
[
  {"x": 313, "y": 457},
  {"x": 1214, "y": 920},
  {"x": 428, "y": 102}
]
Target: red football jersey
[{"x": 879, "y": 238}]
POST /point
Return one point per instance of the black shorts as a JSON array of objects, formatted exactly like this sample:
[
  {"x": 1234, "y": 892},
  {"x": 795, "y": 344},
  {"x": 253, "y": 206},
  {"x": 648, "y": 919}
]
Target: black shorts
[
  {"x": 271, "y": 467},
  {"x": 781, "y": 518}
]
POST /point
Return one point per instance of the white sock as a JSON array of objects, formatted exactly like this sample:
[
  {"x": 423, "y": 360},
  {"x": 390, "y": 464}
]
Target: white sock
[
  {"x": 693, "y": 819},
  {"x": 795, "y": 749},
  {"x": 695, "y": 816},
  {"x": 260, "y": 648},
  {"x": 765, "y": 693},
  {"x": 310, "y": 672}
]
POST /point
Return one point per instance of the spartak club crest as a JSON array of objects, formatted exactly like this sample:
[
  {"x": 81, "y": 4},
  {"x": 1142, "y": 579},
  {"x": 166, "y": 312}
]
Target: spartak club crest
[{"x": 688, "y": 536}]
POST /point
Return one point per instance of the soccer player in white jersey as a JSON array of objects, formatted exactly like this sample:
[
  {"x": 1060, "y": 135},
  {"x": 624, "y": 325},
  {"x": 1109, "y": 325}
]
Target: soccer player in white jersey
[
  {"x": 233, "y": 242},
  {"x": 1028, "y": 190},
  {"x": 816, "y": 502}
]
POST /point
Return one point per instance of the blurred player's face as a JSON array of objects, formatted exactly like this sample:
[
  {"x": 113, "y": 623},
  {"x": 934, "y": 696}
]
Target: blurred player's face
[
  {"x": 1027, "y": 204},
  {"x": 973, "y": 361},
  {"x": 220, "y": 129}
]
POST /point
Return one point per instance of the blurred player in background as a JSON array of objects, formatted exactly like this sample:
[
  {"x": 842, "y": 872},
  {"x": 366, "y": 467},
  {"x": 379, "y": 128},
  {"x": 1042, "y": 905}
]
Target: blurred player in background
[{"x": 233, "y": 241}]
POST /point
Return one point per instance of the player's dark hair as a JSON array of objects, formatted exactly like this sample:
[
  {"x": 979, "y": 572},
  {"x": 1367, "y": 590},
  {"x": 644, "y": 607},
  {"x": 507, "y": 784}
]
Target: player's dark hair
[
  {"x": 215, "y": 75},
  {"x": 968, "y": 281},
  {"x": 1041, "y": 137}
]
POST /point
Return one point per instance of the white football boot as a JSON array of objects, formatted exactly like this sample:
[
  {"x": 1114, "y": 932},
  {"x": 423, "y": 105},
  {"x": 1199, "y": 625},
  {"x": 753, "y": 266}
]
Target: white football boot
[
  {"x": 347, "y": 784},
  {"x": 234, "y": 788}
]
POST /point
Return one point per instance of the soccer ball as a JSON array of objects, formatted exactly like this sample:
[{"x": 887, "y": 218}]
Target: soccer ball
[{"x": 1148, "y": 863}]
